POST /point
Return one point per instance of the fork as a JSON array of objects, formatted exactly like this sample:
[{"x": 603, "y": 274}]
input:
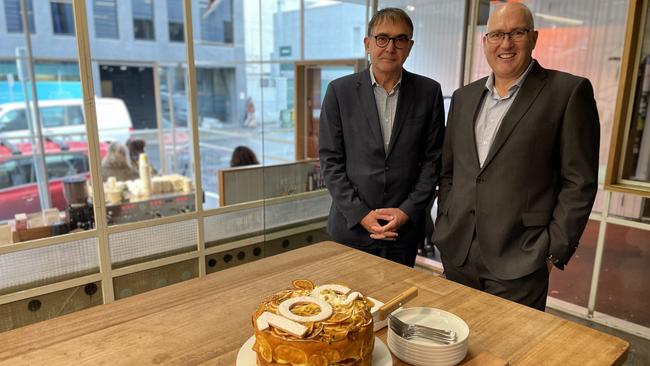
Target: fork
[
  {"x": 406, "y": 330},
  {"x": 409, "y": 334}
]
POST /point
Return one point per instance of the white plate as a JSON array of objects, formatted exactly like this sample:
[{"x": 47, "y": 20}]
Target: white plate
[
  {"x": 432, "y": 359},
  {"x": 434, "y": 318},
  {"x": 396, "y": 341},
  {"x": 380, "y": 354}
]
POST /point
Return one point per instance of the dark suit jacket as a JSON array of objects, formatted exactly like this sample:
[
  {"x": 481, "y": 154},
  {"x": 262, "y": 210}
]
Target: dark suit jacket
[
  {"x": 535, "y": 191},
  {"x": 359, "y": 175}
]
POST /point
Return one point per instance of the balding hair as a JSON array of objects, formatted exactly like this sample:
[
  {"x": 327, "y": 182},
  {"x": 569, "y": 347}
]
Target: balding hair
[{"x": 530, "y": 23}]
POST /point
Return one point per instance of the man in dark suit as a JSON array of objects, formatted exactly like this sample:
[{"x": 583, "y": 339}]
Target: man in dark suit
[
  {"x": 520, "y": 167},
  {"x": 381, "y": 134}
]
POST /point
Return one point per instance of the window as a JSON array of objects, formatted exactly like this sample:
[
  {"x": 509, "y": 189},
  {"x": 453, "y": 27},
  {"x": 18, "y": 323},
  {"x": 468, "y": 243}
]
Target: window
[
  {"x": 143, "y": 19},
  {"x": 630, "y": 168},
  {"x": 343, "y": 19},
  {"x": 53, "y": 116},
  {"x": 58, "y": 166},
  {"x": 15, "y": 120},
  {"x": 14, "y": 16},
  {"x": 16, "y": 172},
  {"x": 217, "y": 21},
  {"x": 5, "y": 175},
  {"x": 62, "y": 19},
  {"x": 106, "y": 19},
  {"x": 175, "y": 20},
  {"x": 74, "y": 116}
]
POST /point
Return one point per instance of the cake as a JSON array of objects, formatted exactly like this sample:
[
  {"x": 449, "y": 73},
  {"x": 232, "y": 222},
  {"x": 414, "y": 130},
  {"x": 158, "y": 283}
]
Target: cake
[{"x": 309, "y": 325}]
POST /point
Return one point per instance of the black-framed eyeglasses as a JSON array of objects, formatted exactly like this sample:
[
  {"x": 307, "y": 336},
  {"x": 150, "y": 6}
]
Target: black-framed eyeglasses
[
  {"x": 515, "y": 35},
  {"x": 399, "y": 42}
]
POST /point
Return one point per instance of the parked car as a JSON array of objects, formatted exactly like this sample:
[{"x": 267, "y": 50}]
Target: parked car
[
  {"x": 18, "y": 186},
  {"x": 65, "y": 117}
]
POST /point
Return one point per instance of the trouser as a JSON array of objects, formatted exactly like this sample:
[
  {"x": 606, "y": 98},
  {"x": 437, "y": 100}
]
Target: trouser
[
  {"x": 530, "y": 290},
  {"x": 403, "y": 255}
]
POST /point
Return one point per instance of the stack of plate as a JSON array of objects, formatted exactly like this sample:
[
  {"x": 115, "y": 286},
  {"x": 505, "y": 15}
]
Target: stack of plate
[{"x": 422, "y": 352}]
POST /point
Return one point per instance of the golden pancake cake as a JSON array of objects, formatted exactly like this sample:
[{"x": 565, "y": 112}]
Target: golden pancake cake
[{"x": 308, "y": 325}]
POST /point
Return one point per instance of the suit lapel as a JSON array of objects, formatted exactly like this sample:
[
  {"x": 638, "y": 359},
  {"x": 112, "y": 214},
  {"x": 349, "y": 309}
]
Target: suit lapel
[
  {"x": 529, "y": 91},
  {"x": 475, "y": 98},
  {"x": 367, "y": 97},
  {"x": 405, "y": 102}
]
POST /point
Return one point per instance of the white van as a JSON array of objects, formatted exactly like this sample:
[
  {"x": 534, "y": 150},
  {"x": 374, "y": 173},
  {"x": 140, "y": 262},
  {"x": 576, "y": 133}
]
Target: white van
[{"x": 63, "y": 119}]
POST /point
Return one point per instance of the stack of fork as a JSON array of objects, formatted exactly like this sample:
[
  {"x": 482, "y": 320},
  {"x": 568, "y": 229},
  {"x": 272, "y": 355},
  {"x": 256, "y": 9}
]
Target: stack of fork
[{"x": 410, "y": 331}]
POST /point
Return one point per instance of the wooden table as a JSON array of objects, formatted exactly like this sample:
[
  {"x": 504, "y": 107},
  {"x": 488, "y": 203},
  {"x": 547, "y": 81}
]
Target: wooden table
[{"x": 205, "y": 321}]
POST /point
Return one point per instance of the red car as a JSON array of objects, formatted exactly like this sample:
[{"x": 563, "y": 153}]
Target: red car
[{"x": 18, "y": 187}]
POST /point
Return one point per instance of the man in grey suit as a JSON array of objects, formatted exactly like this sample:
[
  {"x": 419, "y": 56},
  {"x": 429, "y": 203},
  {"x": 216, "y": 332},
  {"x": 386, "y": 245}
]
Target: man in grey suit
[
  {"x": 520, "y": 167},
  {"x": 381, "y": 134}
]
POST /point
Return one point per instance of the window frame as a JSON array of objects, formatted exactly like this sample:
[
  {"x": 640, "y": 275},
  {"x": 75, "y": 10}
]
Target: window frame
[
  {"x": 152, "y": 19},
  {"x": 68, "y": 32},
  {"x": 30, "y": 18},
  {"x": 635, "y": 28}
]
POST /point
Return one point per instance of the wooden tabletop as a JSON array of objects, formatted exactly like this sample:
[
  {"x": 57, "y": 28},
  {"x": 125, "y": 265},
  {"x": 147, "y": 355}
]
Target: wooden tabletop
[{"x": 205, "y": 321}]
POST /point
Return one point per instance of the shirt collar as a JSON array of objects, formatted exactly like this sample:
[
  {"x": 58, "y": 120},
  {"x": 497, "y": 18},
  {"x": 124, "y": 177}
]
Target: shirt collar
[
  {"x": 373, "y": 81},
  {"x": 489, "y": 84}
]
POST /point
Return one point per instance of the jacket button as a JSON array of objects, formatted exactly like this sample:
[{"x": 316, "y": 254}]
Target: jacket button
[
  {"x": 386, "y": 168},
  {"x": 480, "y": 180},
  {"x": 472, "y": 212}
]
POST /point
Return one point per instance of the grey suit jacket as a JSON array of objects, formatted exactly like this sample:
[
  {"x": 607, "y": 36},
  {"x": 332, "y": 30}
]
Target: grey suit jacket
[
  {"x": 359, "y": 175},
  {"x": 535, "y": 191}
]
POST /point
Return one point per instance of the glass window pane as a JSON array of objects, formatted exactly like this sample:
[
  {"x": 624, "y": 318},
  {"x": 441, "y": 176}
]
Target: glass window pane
[
  {"x": 438, "y": 25},
  {"x": 53, "y": 116},
  {"x": 14, "y": 18},
  {"x": 33, "y": 169},
  {"x": 623, "y": 290},
  {"x": 216, "y": 18},
  {"x": 333, "y": 29},
  {"x": 62, "y": 19},
  {"x": 628, "y": 206},
  {"x": 175, "y": 20},
  {"x": 273, "y": 31},
  {"x": 143, "y": 126},
  {"x": 231, "y": 109},
  {"x": 143, "y": 26},
  {"x": 105, "y": 16}
]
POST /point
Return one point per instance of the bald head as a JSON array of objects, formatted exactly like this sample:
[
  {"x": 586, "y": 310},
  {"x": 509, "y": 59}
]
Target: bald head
[{"x": 508, "y": 10}]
